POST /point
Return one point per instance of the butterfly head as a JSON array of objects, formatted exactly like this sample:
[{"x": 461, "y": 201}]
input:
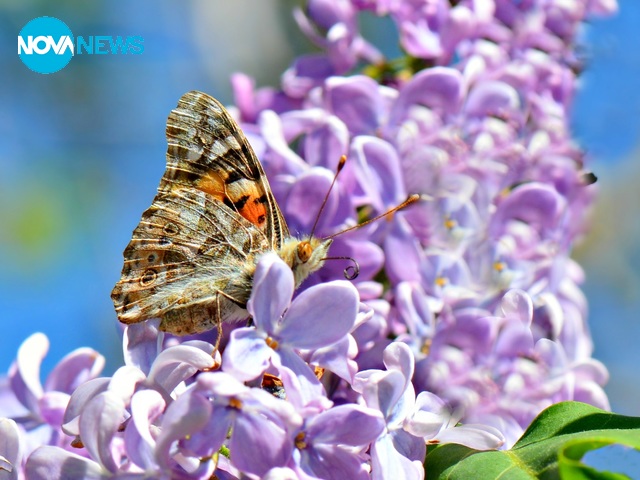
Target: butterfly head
[{"x": 304, "y": 256}]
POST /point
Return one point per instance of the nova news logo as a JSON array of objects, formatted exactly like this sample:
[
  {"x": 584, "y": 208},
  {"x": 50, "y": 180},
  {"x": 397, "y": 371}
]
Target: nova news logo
[{"x": 46, "y": 45}]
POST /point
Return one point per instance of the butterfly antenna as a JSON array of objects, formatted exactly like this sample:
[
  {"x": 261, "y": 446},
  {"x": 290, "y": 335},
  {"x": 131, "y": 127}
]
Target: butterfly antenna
[
  {"x": 352, "y": 271},
  {"x": 411, "y": 199},
  {"x": 341, "y": 163}
]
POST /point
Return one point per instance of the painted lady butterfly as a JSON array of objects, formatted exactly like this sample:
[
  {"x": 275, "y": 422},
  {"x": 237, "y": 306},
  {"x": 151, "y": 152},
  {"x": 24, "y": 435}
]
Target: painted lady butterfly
[{"x": 191, "y": 259}]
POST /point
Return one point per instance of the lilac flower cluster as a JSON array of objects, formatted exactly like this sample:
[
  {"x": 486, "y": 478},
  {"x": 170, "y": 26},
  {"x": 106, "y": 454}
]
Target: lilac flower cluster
[
  {"x": 155, "y": 418},
  {"x": 466, "y": 319},
  {"x": 477, "y": 277}
]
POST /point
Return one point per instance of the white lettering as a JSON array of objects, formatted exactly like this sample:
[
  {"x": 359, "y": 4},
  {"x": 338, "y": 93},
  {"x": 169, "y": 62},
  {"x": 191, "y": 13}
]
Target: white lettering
[
  {"x": 47, "y": 44},
  {"x": 42, "y": 44},
  {"x": 23, "y": 47}
]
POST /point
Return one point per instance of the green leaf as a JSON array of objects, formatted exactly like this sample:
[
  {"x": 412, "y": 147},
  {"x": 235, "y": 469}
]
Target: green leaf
[{"x": 551, "y": 448}]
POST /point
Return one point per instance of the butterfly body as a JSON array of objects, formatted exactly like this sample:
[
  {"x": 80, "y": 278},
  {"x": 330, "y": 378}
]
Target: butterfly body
[{"x": 191, "y": 259}]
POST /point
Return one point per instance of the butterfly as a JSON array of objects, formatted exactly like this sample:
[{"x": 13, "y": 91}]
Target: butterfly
[{"x": 191, "y": 259}]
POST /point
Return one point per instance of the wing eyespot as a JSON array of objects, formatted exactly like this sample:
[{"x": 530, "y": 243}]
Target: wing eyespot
[{"x": 148, "y": 277}]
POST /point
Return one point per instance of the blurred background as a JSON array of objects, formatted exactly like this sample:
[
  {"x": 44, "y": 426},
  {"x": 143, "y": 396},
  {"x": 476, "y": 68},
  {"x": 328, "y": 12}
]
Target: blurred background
[{"x": 83, "y": 150}]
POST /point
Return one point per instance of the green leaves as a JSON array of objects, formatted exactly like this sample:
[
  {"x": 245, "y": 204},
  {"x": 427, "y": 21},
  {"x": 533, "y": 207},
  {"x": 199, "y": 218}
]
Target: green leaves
[{"x": 551, "y": 448}]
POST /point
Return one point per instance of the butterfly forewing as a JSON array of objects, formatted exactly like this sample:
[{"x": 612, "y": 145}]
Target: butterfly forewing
[
  {"x": 207, "y": 150},
  {"x": 191, "y": 258}
]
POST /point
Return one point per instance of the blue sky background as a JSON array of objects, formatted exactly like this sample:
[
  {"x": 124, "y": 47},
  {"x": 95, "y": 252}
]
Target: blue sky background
[{"x": 83, "y": 150}]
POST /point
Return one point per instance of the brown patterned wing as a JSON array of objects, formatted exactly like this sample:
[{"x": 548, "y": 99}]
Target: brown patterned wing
[
  {"x": 190, "y": 262},
  {"x": 191, "y": 259},
  {"x": 208, "y": 151}
]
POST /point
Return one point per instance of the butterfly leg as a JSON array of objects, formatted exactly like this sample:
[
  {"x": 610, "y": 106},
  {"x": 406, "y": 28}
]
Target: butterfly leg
[{"x": 219, "y": 327}]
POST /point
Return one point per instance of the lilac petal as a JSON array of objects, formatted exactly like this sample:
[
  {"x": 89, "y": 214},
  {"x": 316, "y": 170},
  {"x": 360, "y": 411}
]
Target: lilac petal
[
  {"x": 280, "y": 473},
  {"x": 280, "y": 153},
  {"x": 141, "y": 344},
  {"x": 306, "y": 72},
  {"x": 413, "y": 308},
  {"x": 478, "y": 437},
  {"x": 383, "y": 390},
  {"x": 146, "y": 406},
  {"x": 74, "y": 369},
  {"x": 243, "y": 88},
  {"x": 176, "y": 364},
  {"x": 398, "y": 356},
  {"x": 514, "y": 340},
  {"x": 516, "y": 304},
  {"x": 77, "y": 402},
  {"x": 404, "y": 253},
  {"x": 10, "y": 454},
  {"x": 184, "y": 417},
  {"x": 272, "y": 291},
  {"x": 326, "y": 143},
  {"x": 25, "y": 372},
  {"x": 378, "y": 171},
  {"x": 495, "y": 99},
  {"x": 258, "y": 445},
  {"x": 602, "y": 7},
  {"x": 428, "y": 417},
  {"x": 52, "y": 407},
  {"x": 247, "y": 355},
  {"x": 124, "y": 382},
  {"x": 53, "y": 463},
  {"x": 536, "y": 204},
  {"x": 306, "y": 197},
  {"x": 351, "y": 424},
  {"x": 320, "y": 316},
  {"x": 258, "y": 401},
  {"x": 99, "y": 422},
  {"x": 355, "y": 100},
  {"x": 387, "y": 462},
  {"x": 220, "y": 384},
  {"x": 331, "y": 462},
  {"x": 438, "y": 88},
  {"x": 409, "y": 446},
  {"x": 300, "y": 382},
  {"x": 338, "y": 358},
  {"x": 10, "y": 406},
  {"x": 326, "y": 13},
  {"x": 213, "y": 434},
  {"x": 7, "y": 466}
]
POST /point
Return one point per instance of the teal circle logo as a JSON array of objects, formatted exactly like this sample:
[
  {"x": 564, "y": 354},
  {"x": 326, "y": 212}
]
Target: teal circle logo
[{"x": 45, "y": 45}]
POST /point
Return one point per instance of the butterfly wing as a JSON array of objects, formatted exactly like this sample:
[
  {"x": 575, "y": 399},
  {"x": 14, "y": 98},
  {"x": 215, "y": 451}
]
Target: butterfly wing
[
  {"x": 208, "y": 151},
  {"x": 191, "y": 258}
]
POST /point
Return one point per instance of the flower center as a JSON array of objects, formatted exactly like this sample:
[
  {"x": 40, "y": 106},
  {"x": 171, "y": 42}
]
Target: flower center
[
  {"x": 272, "y": 343},
  {"x": 441, "y": 281},
  {"x": 235, "y": 403},
  {"x": 426, "y": 347},
  {"x": 300, "y": 442},
  {"x": 499, "y": 266},
  {"x": 450, "y": 223}
]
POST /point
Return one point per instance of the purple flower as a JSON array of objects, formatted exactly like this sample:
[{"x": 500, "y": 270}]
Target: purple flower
[
  {"x": 411, "y": 421},
  {"x": 259, "y": 423},
  {"x": 38, "y": 408},
  {"x": 327, "y": 445},
  {"x": 309, "y": 323},
  {"x": 10, "y": 449}
]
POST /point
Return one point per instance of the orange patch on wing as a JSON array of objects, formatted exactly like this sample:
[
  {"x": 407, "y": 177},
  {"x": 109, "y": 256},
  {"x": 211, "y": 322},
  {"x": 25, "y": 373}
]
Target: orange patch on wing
[
  {"x": 213, "y": 184},
  {"x": 254, "y": 211}
]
